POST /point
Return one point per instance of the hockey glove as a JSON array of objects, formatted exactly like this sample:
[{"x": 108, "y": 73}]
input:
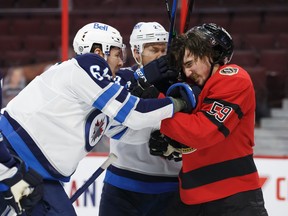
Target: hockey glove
[
  {"x": 158, "y": 70},
  {"x": 185, "y": 93},
  {"x": 142, "y": 89},
  {"x": 161, "y": 145},
  {"x": 22, "y": 187}
]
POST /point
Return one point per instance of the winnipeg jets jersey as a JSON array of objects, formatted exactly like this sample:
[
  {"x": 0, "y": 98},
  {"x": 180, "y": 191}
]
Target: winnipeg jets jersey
[
  {"x": 136, "y": 169},
  {"x": 62, "y": 114}
]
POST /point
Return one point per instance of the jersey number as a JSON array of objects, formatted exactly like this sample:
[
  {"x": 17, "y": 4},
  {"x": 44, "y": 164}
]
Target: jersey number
[
  {"x": 95, "y": 71},
  {"x": 220, "y": 111}
]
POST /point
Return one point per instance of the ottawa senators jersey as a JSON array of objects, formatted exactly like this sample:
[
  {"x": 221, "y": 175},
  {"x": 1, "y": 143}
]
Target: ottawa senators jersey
[{"x": 221, "y": 128}]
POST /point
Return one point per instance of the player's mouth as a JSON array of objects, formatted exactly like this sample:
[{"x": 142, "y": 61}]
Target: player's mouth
[{"x": 194, "y": 77}]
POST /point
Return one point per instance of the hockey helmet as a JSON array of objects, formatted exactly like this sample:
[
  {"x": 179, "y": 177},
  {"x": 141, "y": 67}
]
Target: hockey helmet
[
  {"x": 220, "y": 40},
  {"x": 99, "y": 33},
  {"x": 147, "y": 32}
]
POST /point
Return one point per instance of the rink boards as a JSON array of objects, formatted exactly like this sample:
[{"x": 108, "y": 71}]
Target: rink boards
[{"x": 273, "y": 172}]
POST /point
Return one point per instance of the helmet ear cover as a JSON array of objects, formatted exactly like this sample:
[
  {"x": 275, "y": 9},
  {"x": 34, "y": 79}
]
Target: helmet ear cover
[{"x": 95, "y": 46}]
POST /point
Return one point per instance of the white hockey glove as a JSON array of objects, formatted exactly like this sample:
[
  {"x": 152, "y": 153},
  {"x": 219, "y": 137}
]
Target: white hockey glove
[
  {"x": 21, "y": 186},
  {"x": 161, "y": 145}
]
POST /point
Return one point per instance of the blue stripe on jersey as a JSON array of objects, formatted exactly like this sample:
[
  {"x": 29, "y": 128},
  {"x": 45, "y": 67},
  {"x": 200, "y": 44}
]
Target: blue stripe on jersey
[
  {"x": 123, "y": 95},
  {"x": 120, "y": 134},
  {"x": 103, "y": 99},
  {"x": 125, "y": 110},
  {"x": 139, "y": 186},
  {"x": 36, "y": 160}
]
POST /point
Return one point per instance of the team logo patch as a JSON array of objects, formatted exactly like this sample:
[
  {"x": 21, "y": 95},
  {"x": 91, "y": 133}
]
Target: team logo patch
[
  {"x": 94, "y": 129},
  {"x": 229, "y": 71}
]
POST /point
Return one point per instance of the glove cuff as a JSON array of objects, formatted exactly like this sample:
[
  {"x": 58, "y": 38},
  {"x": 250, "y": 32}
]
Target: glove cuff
[
  {"x": 188, "y": 90},
  {"x": 179, "y": 104}
]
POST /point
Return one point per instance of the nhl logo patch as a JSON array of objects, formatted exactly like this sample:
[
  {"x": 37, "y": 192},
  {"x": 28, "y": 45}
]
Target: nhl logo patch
[{"x": 229, "y": 71}]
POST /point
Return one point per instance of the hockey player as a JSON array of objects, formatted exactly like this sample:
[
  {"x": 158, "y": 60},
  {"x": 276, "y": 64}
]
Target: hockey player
[
  {"x": 219, "y": 177},
  {"x": 59, "y": 117},
  {"x": 139, "y": 183}
]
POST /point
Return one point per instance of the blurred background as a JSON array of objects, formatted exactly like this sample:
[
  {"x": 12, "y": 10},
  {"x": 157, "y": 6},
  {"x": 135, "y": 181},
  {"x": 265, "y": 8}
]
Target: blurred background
[{"x": 31, "y": 40}]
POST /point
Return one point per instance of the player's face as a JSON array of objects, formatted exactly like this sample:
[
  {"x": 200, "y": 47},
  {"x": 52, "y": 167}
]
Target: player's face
[
  {"x": 115, "y": 60},
  {"x": 196, "y": 69},
  {"x": 152, "y": 51}
]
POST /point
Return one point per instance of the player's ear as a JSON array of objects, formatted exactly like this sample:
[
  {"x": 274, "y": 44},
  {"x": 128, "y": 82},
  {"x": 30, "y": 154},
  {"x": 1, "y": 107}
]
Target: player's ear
[
  {"x": 136, "y": 54},
  {"x": 99, "y": 52}
]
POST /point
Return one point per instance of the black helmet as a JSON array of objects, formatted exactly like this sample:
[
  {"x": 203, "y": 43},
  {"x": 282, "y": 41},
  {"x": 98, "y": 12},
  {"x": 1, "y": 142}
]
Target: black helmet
[{"x": 220, "y": 40}]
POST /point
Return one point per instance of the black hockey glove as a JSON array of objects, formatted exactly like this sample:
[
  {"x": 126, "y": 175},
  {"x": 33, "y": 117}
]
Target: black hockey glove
[
  {"x": 142, "y": 89},
  {"x": 159, "y": 69},
  {"x": 185, "y": 93},
  {"x": 23, "y": 189},
  {"x": 161, "y": 145}
]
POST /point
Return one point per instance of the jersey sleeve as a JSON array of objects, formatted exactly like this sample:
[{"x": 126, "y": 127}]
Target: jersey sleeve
[
  {"x": 222, "y": 108},
  {"x": 93, "y": 83},
  {"x": 122, "y": 133}
]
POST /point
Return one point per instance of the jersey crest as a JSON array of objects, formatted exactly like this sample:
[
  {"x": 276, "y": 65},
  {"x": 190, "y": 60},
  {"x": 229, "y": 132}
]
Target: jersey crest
[
  {"x": 229, "y": 71},
  {"x": 94, "y": 129}
]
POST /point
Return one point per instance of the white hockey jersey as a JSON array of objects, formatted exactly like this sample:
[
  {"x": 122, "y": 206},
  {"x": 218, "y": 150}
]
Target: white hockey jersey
[
  {"x": 136, "y": 169},
  {"x": 62, "y": 114}
]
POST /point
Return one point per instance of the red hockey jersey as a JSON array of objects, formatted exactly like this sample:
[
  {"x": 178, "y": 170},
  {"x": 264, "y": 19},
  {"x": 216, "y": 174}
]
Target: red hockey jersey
[{"x": 221, "y": 128}]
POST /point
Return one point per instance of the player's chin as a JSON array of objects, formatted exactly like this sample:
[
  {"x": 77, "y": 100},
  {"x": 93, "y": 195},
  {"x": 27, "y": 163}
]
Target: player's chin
[{"x": 199, "y": 82}]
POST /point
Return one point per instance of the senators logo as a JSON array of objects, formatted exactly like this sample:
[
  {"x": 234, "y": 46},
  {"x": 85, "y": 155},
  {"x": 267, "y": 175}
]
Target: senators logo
[{"x": 229, "y": 71}]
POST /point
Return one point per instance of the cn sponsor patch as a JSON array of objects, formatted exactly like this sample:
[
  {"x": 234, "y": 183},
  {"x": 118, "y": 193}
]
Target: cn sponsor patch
[{"x": 229, "y": 71}]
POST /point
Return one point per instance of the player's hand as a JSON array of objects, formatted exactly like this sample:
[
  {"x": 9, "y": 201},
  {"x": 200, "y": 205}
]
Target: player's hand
[
  {"x": 186, "y": 94},
  {"x": 22, "y": 186},
  {"x": 143, "y": 89},
  {"x": 161, "y": 145},
  {"x": 158, "y": 70}
]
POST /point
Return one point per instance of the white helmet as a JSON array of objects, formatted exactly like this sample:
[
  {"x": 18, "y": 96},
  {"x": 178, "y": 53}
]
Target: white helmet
[
  {"x": 147, "y": 32},
  {"x": 99, "y": 33}
]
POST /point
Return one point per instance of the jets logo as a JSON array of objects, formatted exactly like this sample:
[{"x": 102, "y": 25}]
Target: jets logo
[
  {"x": 229, "y": 71},
  {"x": 94, "y": 129},
  {"x": 98, "y": 130}
]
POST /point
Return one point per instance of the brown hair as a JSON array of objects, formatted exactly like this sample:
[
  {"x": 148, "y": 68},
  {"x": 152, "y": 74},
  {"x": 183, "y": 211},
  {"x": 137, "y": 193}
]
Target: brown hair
[{"x": 197, "y": 46}]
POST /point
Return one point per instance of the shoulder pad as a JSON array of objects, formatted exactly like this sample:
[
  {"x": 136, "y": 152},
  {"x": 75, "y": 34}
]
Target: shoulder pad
[{"x": 92, "y": 63}]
